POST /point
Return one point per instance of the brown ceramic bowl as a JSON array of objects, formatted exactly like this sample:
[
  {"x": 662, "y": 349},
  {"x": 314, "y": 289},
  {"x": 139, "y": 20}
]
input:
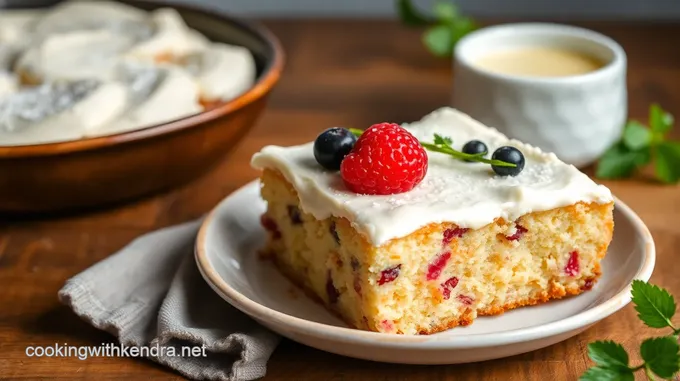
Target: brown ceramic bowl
[{"x": 103, "y": 170}]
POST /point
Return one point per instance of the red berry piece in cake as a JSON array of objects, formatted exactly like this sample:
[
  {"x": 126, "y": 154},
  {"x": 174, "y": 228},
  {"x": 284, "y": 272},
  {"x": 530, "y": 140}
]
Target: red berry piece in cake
[
  {"x": 572, "y": 268},
  {"x": 270, "y": 226},
  {"x": 357, "y": 285},
  {"x": 465, "y": 299},
  {"x": 294, "y": 214},
  {"x": 354, "y": 262},
  {"x": 387, "y": 326},
  {"x": 451, "y": 234},
  {"x": 389, "y": 275},
  {"x": 519, "y": 232},
  {"x": 334, "y": 232},
  {"x": 447, "y": 286},
  {"x": 337, "y": 261},
  {"x": 332, "y": 292},
  {"x": 588, "y": 285},
  {"x": 435, "y": 268},
  {"x": 386, "y": 159}
]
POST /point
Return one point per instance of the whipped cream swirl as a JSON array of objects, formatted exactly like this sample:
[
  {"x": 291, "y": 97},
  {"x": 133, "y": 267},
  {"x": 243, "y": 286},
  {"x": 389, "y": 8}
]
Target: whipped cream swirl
[{"x": 139, "y": 69}]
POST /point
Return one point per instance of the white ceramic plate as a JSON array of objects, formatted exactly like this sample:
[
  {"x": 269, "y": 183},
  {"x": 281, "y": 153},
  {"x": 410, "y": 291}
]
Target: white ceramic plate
[{"x": 226, "y": 256}]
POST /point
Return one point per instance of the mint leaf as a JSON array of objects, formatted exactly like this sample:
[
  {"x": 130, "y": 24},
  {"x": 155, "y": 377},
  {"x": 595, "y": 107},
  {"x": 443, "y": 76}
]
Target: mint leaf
[
  {"x": 655, "y": 306},
  {"x": 659, "y": 120},
  {"x": 667, "y": 162},
  {"x": 442, "y": 140},
  {"x": 439, "y": 40},
  {"x": 461, "y": 27},
  {"x": 636, "y": 135},
  {"x": 608, "y": 354},
  {"x": 619, "y": 161},
  {"x": 661, "y": 355},
  {"x": 597, "y": 373},
  {"x": 409, "y": 15},
  {"x": 356, "y": 132},
  {"x": 445, "y": 11}
]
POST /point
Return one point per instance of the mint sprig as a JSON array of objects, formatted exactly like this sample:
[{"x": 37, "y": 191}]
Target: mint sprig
[
  {"x": 660, "y": 355},
  {"x": 442, "y": 144},
  {"x": 446, "y": 27},
  {"x": 655, "y": 306},
  {"x": 640, "y": 145}
]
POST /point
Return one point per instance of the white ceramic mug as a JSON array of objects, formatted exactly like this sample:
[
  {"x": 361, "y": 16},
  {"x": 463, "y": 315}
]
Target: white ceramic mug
[{"x": 576, "y": 117}]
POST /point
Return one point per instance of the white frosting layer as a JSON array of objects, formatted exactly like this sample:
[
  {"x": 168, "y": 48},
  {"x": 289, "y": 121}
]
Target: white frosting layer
[
  {"x": 76, "y": 41},
  {"x": 467, "y": 194}
]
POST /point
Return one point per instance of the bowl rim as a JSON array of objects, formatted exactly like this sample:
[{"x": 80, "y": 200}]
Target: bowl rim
[
  {"x": 266, "y": 81},
  {"x": 618, "y": 62}
]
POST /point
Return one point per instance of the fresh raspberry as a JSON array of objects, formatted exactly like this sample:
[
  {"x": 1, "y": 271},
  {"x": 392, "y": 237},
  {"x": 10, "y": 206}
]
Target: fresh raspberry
[{"x": 386, "y": 159}]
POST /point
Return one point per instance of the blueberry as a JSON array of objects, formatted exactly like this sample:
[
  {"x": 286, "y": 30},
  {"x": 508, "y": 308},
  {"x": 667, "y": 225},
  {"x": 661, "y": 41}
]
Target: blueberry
[
  {"x": 475, "y": 147},
  {"x": 332, "y": 145},
  {"x": 508, "y": 155}
]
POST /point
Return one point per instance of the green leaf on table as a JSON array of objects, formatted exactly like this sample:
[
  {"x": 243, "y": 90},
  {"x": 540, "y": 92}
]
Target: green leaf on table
[
  {"x": 636, "y": 135},
  {"x": 442, "y": 140},
  {"x": 409, "y": 15},
  {"x": 597, "y": 373},
  {"x": 661, "y": 355},
  {"x": 619, "y": 161},
  {"x": 439, "y": 40},
  {"x": 608, "y": 354},
  {"x": 655, "y": 306},
  {"x": 445, "y": 11},
  {"x": 667, "y": 162},
  {"x": 659, "y": 120}
]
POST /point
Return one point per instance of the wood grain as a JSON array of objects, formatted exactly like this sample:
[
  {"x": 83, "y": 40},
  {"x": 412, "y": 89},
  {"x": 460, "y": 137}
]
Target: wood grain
[{"x": 350, "y": 73}]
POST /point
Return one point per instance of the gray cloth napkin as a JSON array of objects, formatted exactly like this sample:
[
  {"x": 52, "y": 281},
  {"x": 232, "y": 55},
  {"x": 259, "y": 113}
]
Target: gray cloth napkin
[{"x": 151, "y": 294}]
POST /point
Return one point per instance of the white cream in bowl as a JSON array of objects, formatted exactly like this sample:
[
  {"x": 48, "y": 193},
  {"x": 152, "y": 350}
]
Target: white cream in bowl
[
  {"x": 92, "y": 68},
  {"x": 557, "y": 87}
]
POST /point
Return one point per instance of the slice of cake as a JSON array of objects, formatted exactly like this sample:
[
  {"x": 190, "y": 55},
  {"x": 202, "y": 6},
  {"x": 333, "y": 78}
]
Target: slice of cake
[{"x": 415, "y": 229}]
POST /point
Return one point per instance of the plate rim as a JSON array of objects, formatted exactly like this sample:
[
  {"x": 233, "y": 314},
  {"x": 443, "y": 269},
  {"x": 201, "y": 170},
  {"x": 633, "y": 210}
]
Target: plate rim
[{"x": 351, "y": 335}]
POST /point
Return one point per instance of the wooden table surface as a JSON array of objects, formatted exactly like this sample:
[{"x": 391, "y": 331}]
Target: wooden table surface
[{"x": 338, "y": 73}]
